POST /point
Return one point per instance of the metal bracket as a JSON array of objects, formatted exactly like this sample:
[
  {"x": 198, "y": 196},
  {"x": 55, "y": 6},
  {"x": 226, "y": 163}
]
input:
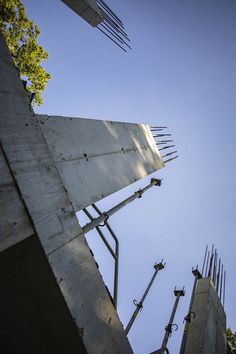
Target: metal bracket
[
  {"x": 139, "y": 305},
  {"x": 156, "y": 181},
  {"x": 106, "y": 218},
  {"x": 189, "y": 316}
]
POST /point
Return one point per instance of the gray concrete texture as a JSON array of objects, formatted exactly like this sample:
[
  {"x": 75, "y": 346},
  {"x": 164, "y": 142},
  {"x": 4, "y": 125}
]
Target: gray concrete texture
[
  {"x": 43, "y": 209},
  {"x": 87, "y": 9},
  {"x": 96, "y": 157},
  {"x": 207, "y": 331},
  {"x": 52, "y": 286}
]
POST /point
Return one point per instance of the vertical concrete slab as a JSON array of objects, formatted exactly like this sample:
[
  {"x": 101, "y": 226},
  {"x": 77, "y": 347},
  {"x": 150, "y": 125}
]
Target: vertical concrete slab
[
  {"x": 35, "y": 318},
  {"x": 207, "y": 331},
  {"x": 44, "y": 208}
]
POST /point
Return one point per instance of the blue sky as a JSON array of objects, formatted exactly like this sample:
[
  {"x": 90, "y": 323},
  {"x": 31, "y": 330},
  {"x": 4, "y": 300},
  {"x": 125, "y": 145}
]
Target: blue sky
[{"x": 181, "y": 73}]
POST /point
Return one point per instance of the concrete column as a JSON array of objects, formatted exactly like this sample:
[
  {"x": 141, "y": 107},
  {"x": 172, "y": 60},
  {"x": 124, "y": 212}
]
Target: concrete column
[{"x": 207, "y": 331}]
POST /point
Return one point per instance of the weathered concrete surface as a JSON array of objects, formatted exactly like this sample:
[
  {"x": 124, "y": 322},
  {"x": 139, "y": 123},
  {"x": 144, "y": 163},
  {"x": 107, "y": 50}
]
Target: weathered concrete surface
[
  {"x": 96, "y": 158},
  {"x": 207, "y": 331},
  {"x": 44, "y": 208},
  {"x": 87, "y": 9},
  {"x": 34, "y": 315},
  {"x": 15, "y": 223}
]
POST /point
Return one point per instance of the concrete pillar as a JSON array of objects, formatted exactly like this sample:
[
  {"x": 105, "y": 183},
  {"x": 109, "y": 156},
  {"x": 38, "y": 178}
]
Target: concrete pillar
[{"x": 207, "y": 331}]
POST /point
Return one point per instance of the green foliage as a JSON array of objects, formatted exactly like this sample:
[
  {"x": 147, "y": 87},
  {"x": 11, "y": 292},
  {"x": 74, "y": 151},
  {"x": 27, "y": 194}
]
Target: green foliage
[
  {"x": 22, "y": 39},
  {"x": 231, "y": 337}
]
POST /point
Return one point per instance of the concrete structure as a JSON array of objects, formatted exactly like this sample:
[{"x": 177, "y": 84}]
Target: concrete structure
[
  {"x": 87, "y": 9},
  {"x": 207, "y": 331},
  {"x": 95, "y": 158},
  {"x": 53, "y": 296},
  {"x": 98, "y": 14}
]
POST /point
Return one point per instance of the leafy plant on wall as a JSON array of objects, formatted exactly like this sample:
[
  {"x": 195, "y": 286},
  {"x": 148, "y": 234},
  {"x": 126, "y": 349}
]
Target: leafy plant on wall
[{"x": 21, "y": 35}]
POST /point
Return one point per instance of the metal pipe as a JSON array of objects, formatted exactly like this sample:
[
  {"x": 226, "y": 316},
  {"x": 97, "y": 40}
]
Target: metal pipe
[
  {"x": 188, "y": 318},
  {"x": 101, "y": 234},
  {"x": 113, "y": 235},
  {"x": 115, "y": 254},
  {"x": 168, "y": 329},
  {"x": 139, "y": 305},
  {"x": 104, "y": 216}
]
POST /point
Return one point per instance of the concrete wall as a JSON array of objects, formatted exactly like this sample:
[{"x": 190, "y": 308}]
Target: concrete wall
[
  {"x": 35, "y": 318},
  {"x": 37, "y": 205},
  {"x": 207, "y": 331},
  {"x": 96, "y": 158}
]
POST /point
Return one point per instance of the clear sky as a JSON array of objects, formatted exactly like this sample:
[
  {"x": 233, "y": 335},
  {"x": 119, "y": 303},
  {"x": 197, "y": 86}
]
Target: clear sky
[{"x": 181, "y": 73}]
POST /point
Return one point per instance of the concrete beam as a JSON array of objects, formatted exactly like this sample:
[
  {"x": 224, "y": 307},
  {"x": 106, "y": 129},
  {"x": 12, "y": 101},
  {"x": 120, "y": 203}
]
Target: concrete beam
[
  {"x": 96, "y": 158},
  {"x": 87, "y": 9}
]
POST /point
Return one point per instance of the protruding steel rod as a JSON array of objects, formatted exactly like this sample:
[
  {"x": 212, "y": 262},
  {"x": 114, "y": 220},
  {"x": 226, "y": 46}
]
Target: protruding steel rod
[
  {"x": 221, "y": 281},
  {"x": 172, "y": 158},
  {"x": 111, "y": 12},
  {"x": 169, "y": 154},
  {"x": 224, "y": 289},
  {"x": 188, "y": 318},
  {"x": 204, "y": 261},
  {"x": 158, "y": 128},
  {"x": 160, "y": 135},
  {"x": 166, "y": 147},
  {"x": 168, "y": 329},
  {"x": 113, "y": 235},
  {"x": 105, "y": 215},
  {"x": 218, "y": 277},
  {"x": 208, "y": 256},
  {"x": 163, "y": 142},
  {"x": 139, "y": 305},
  {"x": 211, "y": 260},
  {"x": 111, "y": 38},
  {"x": 214, "y": 268}
]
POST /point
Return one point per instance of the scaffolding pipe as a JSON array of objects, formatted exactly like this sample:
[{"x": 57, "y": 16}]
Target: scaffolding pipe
[
  {"x": 188, "y": 318},
  {"x": 139, "y": 305},
  {"x": 113, "y": 235},
  {"x": 115, "y": 254},
  {"x": 168, "y": 329},
  {"x": 104, "y": 216}
]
